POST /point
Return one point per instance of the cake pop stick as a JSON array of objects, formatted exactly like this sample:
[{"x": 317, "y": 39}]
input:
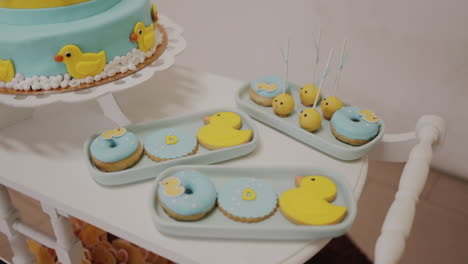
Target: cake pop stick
[
  {"x": 317, "y": 53},
  {"x": 344, "y": 59},
  {"x": 283, "y": 104},
  {"x": 324, "y": 76},
  {"x": 286, "y": 65}
]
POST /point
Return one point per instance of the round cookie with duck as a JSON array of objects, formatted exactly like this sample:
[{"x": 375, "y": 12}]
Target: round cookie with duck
[
  {"x": 187, "y": 195},
  {"x": 223, "y": 130}
]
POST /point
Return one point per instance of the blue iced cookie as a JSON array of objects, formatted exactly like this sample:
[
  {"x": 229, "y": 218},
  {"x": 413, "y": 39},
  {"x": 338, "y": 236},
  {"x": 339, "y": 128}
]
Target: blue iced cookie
[
  {"x": 263, "y": 90},
  {"x": 115, "y": 150},
  {"x": 187, "y": 195},
  {"x": 170, "y": 143},
  {"x": 247, "y": 200},
  {"x": 354, "y": 126}
]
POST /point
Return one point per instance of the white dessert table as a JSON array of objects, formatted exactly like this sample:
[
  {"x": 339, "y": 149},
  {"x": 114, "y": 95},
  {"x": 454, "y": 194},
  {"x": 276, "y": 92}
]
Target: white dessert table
[{"x": 42, "y": 158}]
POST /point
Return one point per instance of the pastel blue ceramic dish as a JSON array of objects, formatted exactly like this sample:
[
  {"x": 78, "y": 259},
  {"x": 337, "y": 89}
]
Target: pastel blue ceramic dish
[
  {"x": 276, "y": 227},
  {"x": 322, "y": 140},
  {"x": 147, "y": 169}
]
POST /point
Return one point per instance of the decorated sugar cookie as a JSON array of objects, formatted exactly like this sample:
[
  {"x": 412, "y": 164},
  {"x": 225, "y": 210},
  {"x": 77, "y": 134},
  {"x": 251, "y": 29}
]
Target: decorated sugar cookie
[
  {"x": 170, "y": 143},
  {"x": 310, "y": 202},
  {"x": 222, "y": 131},
  {"x": 263, "y": 90},
  {"x": 187, "y": 195},
  {"x": 116, "y": 150},
  {"x": 247, "y": 200},
  {"x": 81, "y": 65},
  {"x": 354, "y": 126}
]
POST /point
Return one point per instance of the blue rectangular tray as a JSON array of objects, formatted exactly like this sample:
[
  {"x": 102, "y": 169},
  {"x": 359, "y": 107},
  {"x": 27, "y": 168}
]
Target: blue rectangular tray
[
  {"x": 322, "y": 140},
  {"x": 281, "y": 178},
  {"x": 147, "y": 168}
]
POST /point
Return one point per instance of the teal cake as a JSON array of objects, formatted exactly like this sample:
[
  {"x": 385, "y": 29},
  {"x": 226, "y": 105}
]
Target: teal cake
[{"x": 65, "y": 45}]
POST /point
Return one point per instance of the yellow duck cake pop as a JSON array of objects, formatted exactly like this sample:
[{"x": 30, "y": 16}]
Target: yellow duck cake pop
[
  {"x": 310, "y": 119},
  {"x": 330, "y": 105},
  {"x": 308, "y": 93},
  {"x": 310, "y": 203},
  {"x": 81, "y": 65},
  {"x": 222, "y": 131},
  {"x": 144, "y": 36},
  {"x": 283, "y": 104}
]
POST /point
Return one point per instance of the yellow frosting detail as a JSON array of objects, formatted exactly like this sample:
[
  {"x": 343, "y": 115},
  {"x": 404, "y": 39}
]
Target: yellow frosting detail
[
  {"x": 308, "y": 94},
  {"x": 33, "y": 4},
  {"x": 172, "y": 187},
  {"x": 145, "y": 36},
  {"x": 171, "y": 140},
  {"x": 249, "y": 195},
  {"x": 114, "y": 133},
  {"x": 310, "y": 203},
  {"x": 266, "y": 87},
  {"x": 7, "y": 70},
  {"x": 310, "y": 119},
  {"x": 330, "y": 105},
  {"x": 81, "y": 65},
  {"x": 223, "y": 131},
  {"x": 369, "y": 116},
  {"x": 283, "y": 104}
]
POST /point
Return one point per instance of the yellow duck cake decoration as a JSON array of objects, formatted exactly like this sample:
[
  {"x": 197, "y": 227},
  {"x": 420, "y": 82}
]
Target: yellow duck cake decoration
[
  {"x": 7, "y": 70},
  {"x": 81, "y": 65},
  {"x": 154, "y": 14},
  {"x": 222, "y": 131},
  {"x": 172, "y": 187},
  {"x": 144, "y": 36},
  {"x": 310, "y": 203},
  {"x": 308, "y": 93}
]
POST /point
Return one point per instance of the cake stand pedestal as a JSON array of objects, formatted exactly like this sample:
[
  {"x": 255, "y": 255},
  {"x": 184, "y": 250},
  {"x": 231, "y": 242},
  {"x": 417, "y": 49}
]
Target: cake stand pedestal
[{"x": 16, "y": 108}]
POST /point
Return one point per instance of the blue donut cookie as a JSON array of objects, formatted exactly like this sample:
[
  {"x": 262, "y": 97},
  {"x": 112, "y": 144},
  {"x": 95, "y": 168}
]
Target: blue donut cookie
[
  {"x": 115, "y": 150},
  {"x": 354, "y": 126},
  {"x": 263, "y": 90},
  {"x": 187, "y": 195},
  {"x": 247, "y": 200},
  {"x": 269, "y": 86},
  {"x": 169, "y": 144}
]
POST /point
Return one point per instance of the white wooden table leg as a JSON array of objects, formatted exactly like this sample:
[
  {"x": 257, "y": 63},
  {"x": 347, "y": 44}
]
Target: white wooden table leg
[
  {"x": 8, "y": 216},
  {"x": 112, "y": 110},
  {"x": 399, "y": 220},
  {"x": 68, "y": 249}
]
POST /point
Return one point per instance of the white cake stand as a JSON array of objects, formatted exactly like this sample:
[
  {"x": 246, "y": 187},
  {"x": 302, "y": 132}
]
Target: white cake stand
[{"x": 14, "y": 108}]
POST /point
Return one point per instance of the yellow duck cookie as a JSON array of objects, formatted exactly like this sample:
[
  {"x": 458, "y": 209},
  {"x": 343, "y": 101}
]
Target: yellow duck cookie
[
  {"x": 310, "y": 119},
  {"x": 310, "y": 203},
  {"x": 330, "y": 105},
  {"x": 308, "y": 94},
  {"x": 222, "y": 131},
  {"x": 283, "y": 104},
  {"x": 144, "y": 36},
  {"x": 81, "y": 65}
]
